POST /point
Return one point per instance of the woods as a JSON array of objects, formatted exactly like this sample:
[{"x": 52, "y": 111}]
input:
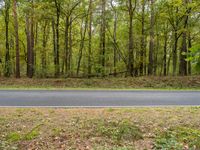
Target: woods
[{"x": 99, "y": 38}]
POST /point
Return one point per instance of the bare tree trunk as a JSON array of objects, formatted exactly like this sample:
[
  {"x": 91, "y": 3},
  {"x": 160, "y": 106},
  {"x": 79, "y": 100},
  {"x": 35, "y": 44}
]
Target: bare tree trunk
[
  {"x": 54, "y": 44},
  {"x": 32, "y": 41},
  {"x": 57, "y": 25},
  {"x": 90, "y": 39},
  {"x": 130, "y": 66},
  {"x": 7, "y": 56},
  {"x": 70, "y": 47},
  {"x": 103, "y": 37},
  {"x": 28, "y": 37},
  {"x": 67, "y": 23},
  {"x": 44, "y": 44},
  {"x": 175, "y": 52},
  {"x": 115, "y": 41},
  {"x": 189, "y": 62},
  {"x": 17, "y": 74},
  {"x": 142, "y": 40},
  {"x": 165, "y": 55},
  {"x": 151, "y": 44}
]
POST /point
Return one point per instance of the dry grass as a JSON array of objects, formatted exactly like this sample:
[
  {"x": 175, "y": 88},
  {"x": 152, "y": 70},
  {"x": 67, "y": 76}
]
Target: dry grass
[
  {"x": 116, "y": 83},
  {"x": 86, "y": 129}
]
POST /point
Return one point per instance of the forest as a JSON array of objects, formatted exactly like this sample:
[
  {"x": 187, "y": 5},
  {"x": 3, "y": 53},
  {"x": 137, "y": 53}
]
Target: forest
[{"x": 99, "y": 38}]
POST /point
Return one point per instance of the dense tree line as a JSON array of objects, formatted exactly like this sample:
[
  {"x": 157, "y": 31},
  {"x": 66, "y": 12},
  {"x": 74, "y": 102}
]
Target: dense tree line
[{"x": 90, "y": 38}]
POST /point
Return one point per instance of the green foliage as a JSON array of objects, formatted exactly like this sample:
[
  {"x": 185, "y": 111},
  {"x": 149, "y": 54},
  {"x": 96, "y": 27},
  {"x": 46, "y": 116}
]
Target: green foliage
[
  {"x": 194, "y": 56},
  {"x": 31, "y": 135},
  {"x": 13, "y": 137},
  {"x": 178, "y": 138},
  {"x": 121, "y": 130}
]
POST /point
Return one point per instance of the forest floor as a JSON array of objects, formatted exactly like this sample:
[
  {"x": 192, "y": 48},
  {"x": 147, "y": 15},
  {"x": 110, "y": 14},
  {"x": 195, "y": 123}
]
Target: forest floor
[
  {"x": 100, "y": 129},
  {"x": 189, "y": 82}
]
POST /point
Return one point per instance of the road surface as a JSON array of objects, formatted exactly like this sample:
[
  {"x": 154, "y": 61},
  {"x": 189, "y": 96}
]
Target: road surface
[{"x": 99, "y": 98}]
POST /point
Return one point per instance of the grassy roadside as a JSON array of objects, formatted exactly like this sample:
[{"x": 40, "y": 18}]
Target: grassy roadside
[
  {"x": 100, "y": 129},
  {"x": 147, "y": 83}
]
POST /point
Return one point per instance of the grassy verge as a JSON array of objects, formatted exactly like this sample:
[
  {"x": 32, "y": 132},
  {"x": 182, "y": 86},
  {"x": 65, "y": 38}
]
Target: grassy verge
[
  {"x": 186, "y": 83},
  {"x": 106, "y": 129}
]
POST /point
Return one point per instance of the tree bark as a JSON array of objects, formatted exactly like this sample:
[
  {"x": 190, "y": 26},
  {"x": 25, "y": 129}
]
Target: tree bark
[
  {"x": 7, "y": 53},
  {"x": 151, "y": 44},
  {"x": 130, "y": 66},
  {"x": 57, "y": 25},
  {"x": 103, "y": 37},
  {"x": 142, "y": 39},
  {"x": 15, "y": 15},
  {"x": 90, "y": 39}
]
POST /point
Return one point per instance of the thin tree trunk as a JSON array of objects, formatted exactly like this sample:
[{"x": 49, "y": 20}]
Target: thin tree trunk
[
  {"x": 67, "y": 23},
  {"x": 175, "y": 52},
  {"x": 54, "y": 44},
  {"x": 151, "y": 44},
  {"x": 130, "y": 53},
  {"x": 15, "y": 15},
  {"x": 57, "y": 25},
  {"x": 7, "y": 56},
  {"x": 70, "y": 47},
  {"x": 103, "y": 38},
  {"x": 28, "y": 37},
  {"x": 165, "y": 55},
  {"x": 142, "y": 40},
  {"x": 90, "y": 39},
  {"x": 189, "y": 46}
]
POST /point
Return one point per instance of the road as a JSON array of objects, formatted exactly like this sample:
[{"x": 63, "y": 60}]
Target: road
[{"x": 99, "y": 98}]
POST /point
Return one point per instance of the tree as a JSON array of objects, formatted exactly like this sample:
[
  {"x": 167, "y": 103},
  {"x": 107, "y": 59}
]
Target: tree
[
  {"x": 151, "y": 43},
  {"x": 131, "y": 9},
  {"x": 17, "y": 74},
  {"x": 7, "y": 55}
]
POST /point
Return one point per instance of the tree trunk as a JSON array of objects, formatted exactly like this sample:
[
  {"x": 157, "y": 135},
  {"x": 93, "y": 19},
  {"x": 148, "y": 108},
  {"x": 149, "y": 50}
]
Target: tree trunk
[
  {"x": 175, "y": 52},
  {"x": 67, "y": 23},
  {"x": 28, "y": 37},
  {"x": 130, "y": 53},
  {"x": 151, "y": 44},
  {"x": 57, "y": 25},
  {"x": 183, "y": 51},
  {"x": 54, "y": 45},
  {"x": 103, "y": 38},
  {"x": 115, "y": 42},
  {"x": 142, "y": 40},
  {"x": 7, "y": 53},
  {"x": 165, "y": 55},
  {"x": 90, "y": 39},
  {"x": 83, "y": 33},
  {"x": 15, "y": 15},
  {"x": 44, "y": 44},
  {"x": 189, "y": 46}
]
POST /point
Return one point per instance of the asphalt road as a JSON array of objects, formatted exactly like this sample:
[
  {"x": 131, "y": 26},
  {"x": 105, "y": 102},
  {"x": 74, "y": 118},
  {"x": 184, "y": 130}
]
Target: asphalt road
[{"x": 100, "y": 98}]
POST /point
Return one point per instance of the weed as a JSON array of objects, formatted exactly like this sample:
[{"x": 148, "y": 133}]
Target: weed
[
  {"x": 178, "y": 138},
  {"x": 33, "y": 133},
  {"x": 121, "y": 130},
  {"x": 13, "y": 137}
]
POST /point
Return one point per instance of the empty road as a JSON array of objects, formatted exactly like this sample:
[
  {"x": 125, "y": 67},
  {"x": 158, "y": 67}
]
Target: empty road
[{"x": 99, "y": 98}]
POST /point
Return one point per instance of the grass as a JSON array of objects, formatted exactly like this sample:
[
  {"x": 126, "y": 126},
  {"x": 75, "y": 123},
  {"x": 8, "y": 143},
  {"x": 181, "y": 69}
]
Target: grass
[
  {"x": 186, "y": 83},
  {"x": 100, "y": 129}
]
